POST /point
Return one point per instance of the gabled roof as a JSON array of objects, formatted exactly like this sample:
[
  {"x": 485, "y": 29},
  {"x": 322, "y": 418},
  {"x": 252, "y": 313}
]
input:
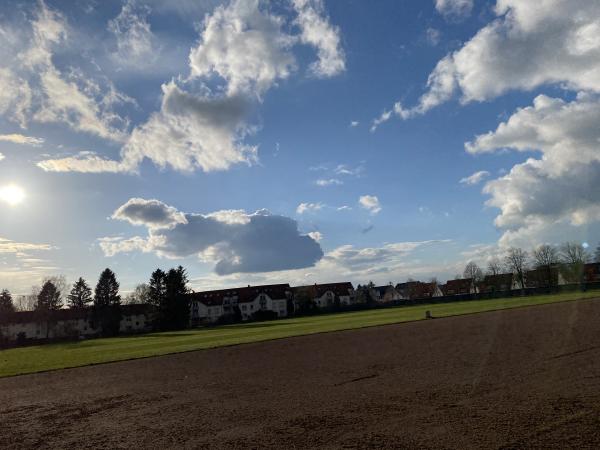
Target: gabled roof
[
  {"x": 274, "y": 291},
  {"x": 243, "y": 294},
  {"x": 383, "y": 289},
  {"x": 498, "y": 279},
  {"x": 460, "y": 285},
  {"x": 416, "y": 289},
  {"x": 317, "y": 290}
]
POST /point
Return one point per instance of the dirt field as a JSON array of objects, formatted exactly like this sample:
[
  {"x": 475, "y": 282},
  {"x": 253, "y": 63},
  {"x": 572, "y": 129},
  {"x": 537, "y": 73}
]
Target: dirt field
[{"x": 517, "y": 378}]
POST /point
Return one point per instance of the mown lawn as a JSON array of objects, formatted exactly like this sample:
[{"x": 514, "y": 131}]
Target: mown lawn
[{"x": 58, "y": 356}]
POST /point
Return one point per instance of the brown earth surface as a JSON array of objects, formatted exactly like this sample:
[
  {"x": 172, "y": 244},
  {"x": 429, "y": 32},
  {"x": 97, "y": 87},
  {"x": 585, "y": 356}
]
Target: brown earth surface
[{"x": 527, "y": 377}]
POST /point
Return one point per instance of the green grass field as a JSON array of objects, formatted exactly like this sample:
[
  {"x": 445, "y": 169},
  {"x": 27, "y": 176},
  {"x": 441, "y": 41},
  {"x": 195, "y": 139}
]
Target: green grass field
[{"x": 58, "y": 356}]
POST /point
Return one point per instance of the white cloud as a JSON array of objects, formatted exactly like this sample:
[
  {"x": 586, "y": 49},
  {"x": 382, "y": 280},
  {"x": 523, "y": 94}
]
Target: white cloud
[
  {"x": 84, "y": 162},
  {"x": 433, "y": 36},
  {"x": 151, "y": 213},
  {"x": 370, "y": 203},
  {"x": 337, "y": 173},
  {"x": 135, "y": 41},
  {"x": 20, "y": 139},
  {"x": 454, "y": 9},
  {"x": 561, "y": 188},
  {"x": 33, "y": 88},
  {"x": 316, "y": 236},
  {"x": 318, "y": 32},
  {"x": 197, "y": 127},
  {"x": 354, "y": 123},
  {"x": 1, "y": 156},
  {"x": 189, "y": 132},
  {"x": 15, "y": 96},
  {"x": 260, "y": 242},
  {"x": 245, "y": 46},
  {"x": 475, "y": 178},
  {"x": 8, "y": 246},
  {"x": 528, "y": 45},
  {"x": 328, "y": 182},
  {"x": 309, "y": 207}
]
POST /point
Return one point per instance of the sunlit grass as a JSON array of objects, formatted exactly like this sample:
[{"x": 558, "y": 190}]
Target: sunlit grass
[{"x": 57, "y": 356}]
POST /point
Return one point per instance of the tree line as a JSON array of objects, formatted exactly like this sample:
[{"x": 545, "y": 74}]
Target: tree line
[
  {"x": 569, "y": 258},
  {"x": 165, "y": 293}
]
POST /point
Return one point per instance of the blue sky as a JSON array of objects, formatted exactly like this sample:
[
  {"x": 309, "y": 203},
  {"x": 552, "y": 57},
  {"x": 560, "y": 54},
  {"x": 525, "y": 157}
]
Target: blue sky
[{"x": 296, "y": 141}]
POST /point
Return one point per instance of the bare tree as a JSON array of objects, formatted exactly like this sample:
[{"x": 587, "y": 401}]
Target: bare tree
[
  {"x": 516, "y": 261},
  {"x": 473, "y": 271},
  {"x": 140, "y": 295},
  {"x": 494, "y": 266},
  {"x": 545, "y": 256},
  {"x": 574, "y": 253},
  {"x": 546, "y": 259},
  {"x": 574, "y": 256},
  {"x": 25, "y": 302}
]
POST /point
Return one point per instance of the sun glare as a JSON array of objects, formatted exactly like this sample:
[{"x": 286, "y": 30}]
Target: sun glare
[{"x": 12, "y": 194}]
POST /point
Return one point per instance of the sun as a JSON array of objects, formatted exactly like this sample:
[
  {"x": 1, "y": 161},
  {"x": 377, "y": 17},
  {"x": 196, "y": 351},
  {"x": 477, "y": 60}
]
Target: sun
[{"x": 12, "y": 194}]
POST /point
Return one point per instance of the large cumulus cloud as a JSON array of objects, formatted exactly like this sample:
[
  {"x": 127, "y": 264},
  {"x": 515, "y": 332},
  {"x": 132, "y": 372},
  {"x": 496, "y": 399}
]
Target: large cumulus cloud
[
  {"x": 233, "y": 239},
  {"x": 244, "y": 49},
  {"x": 529, "y": 44},
  {"x": 560, "y": 189}
]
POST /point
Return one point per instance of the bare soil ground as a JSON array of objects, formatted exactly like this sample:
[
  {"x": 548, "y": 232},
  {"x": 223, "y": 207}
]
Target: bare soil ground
[{"x": 519, "y": 378}]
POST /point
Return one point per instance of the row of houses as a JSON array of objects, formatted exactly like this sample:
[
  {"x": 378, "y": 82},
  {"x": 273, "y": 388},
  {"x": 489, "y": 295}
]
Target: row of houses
[
  {"x": 281, "y": 300},
  {"x": 69, "y": 323},
  {"x": 538, "y": 278},
  {"x": 278, "y": 301}
]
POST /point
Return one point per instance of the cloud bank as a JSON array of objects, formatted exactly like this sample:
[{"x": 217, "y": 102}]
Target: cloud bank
[{"x": 237, "y": 242}]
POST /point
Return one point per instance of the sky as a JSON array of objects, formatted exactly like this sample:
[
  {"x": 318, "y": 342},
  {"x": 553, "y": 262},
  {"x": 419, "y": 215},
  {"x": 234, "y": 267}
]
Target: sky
[{"x": 294, "y": 141}]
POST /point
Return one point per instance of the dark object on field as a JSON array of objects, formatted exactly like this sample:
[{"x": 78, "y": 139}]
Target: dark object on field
[{"x": 428, "y": 315}]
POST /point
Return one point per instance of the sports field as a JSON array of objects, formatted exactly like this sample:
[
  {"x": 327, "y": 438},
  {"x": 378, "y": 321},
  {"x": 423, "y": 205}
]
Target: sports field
[{"x": 58, "y": 356}]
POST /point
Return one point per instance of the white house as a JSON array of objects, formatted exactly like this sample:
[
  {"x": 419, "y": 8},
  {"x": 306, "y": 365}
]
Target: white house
[
  {"x": 326, "y": 295},
  {"x": 385, "y": 294},
  {"x": 210, "y": 306},
  {"x": 65, "y": 323}
]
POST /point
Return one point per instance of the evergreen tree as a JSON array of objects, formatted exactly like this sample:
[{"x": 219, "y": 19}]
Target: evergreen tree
[
  {"x": 157, "y": 288},
  {"x": 177, "y": 307},
  {"x": 81, "y": 294},
  {"x": 6, "y": 303},
  {"x": 48, "y": 298},
  {"x": 107, "y": 304},
  {"x": 48, "y": 301}
]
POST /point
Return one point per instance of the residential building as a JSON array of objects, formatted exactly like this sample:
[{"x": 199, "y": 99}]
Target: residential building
[
  {"x": 591, "y": 272},
  {"x": 327, "y": 295},
  {"x": 542, "y": 277},
  {"x": 459, "y": 287},
  {"x": 385, "y": 294},
  {"x": 414, "y": 290},
  {"x": 498, "y": 283},
  {"x": 210, "y": 306},
  {"x": 65, "y": 323}
]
